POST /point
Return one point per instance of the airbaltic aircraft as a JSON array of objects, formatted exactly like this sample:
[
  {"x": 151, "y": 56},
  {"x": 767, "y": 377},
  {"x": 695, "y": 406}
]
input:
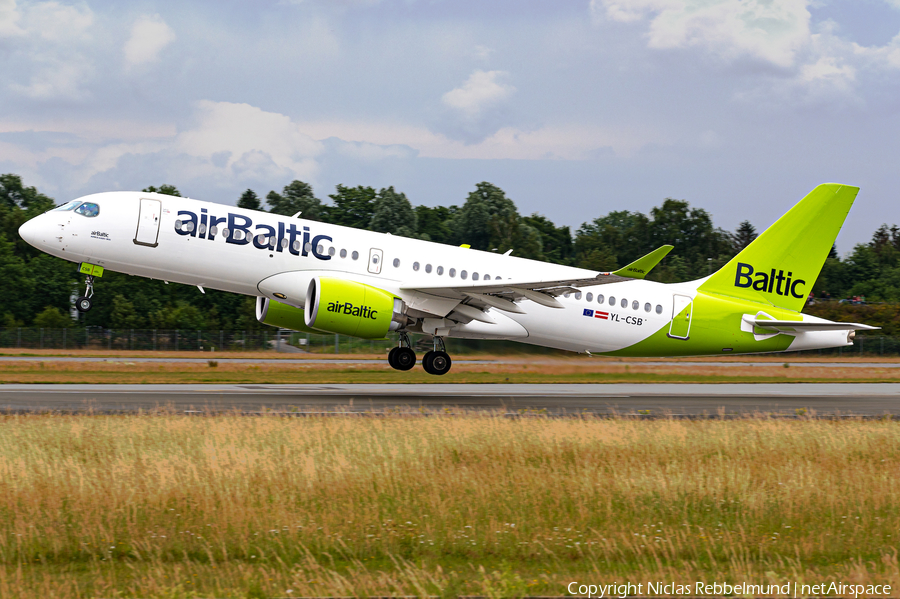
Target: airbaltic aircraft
[{"x": 312, "y": 276}]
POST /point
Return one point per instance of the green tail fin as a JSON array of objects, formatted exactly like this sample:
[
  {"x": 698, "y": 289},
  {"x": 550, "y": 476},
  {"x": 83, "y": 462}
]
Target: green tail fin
[
  {"x": 640, "y": 267},
  {"x": 781, "y": 265}
]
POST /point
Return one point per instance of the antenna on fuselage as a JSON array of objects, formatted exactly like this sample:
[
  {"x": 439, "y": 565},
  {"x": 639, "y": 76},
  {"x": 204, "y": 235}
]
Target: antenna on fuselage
[{"x": 299, "y": 212}]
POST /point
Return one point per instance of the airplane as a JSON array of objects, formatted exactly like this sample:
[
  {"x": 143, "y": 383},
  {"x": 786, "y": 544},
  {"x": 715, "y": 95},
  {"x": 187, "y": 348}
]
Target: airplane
[{"x": 317, "y": 277}]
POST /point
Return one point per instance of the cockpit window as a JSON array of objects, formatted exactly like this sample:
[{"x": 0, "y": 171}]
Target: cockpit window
[
  {"x": 68, "y": 206},
  {"x": 88, "y": 209}
]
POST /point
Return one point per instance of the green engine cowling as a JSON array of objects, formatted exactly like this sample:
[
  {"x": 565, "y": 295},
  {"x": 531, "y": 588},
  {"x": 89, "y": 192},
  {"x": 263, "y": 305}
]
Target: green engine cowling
[
  {"x": 283, "y": 316},
  {"x": 351, "y": 308}
]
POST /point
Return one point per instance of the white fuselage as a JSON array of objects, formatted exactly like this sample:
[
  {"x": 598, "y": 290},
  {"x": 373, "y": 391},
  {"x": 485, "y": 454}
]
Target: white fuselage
[{"x": 263, "y": 254}]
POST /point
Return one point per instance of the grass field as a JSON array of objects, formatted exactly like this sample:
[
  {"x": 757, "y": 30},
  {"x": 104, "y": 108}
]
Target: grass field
[
  {"x": 229, "y": 506},
  {"x": 517, "y": 369}
]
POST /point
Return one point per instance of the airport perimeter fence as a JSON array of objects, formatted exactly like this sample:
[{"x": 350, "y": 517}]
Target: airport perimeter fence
[{"x": 99, "y": 339}]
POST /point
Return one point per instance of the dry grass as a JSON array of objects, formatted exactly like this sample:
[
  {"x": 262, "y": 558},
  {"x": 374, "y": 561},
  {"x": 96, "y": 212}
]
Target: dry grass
[
  {"x": 517, "y": 371},
  {"x": 231, "y": 506}
]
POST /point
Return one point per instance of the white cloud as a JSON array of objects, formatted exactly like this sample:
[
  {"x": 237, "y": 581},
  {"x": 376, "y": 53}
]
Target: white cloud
[
  {"x": 246, "y": 131},
  {"x": 482, "y": 90},
  {"x": 149, "y": 36},
  {"x": 9, "y": 17},
  {"x": 56, "y": 77},
  {"x": 59, "y": 23},
  {"x": 773, "y": 31}
]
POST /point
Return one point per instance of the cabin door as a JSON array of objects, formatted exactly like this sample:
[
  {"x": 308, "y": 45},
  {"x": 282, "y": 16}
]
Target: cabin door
[
  {"x": 682, "y": 306},
  {"x": 148, "y": 223}
]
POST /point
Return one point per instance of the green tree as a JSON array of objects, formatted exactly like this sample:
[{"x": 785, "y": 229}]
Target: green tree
[
  {"x": 742, "y": 236},
  {"x": 351, "y": 207},
  {"x": 296, "y": 196},
  {"x": 123, "y": 315},
  {"x": 52, "y": 318},
  {"x": 435, "y": 224},
  {"x": 249, "y": 200},
  {"x": 165, "y": 189},
  {"x": 556, "y": 242},
  {"x": 392, "y": 213},
  {"x": 18, "y": 204}
]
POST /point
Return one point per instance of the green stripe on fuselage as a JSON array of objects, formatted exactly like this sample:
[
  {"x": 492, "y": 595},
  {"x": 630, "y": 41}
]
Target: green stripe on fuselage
[{"x": 715, "y": 327}]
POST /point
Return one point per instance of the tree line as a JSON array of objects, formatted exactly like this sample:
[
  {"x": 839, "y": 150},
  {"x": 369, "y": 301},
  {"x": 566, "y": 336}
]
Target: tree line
[{"x": 41, "y": 288}]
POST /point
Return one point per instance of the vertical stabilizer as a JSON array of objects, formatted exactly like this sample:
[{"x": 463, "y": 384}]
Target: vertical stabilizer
[{"x": 781, "y": 265}]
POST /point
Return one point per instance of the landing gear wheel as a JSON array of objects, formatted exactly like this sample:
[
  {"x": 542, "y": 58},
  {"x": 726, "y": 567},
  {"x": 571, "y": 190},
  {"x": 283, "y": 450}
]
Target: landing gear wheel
[
  {"x": 436, "y": 362},
  {"x": 426, "y": 361},
  {"x": 392, "y": 358},
  {"x": 404, "y": 359},
  {"x": 83, "y": 304},
  {"x": 440, "y": 363}
]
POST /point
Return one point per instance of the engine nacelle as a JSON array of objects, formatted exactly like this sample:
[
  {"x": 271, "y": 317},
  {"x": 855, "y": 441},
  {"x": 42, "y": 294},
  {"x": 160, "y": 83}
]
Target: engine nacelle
[
  {"x": 351, "y": 308},
  {"x": 283, "y": 316}
]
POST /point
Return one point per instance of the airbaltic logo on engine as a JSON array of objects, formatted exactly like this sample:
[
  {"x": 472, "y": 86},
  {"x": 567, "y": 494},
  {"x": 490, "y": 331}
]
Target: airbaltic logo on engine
[
  {"x": 351, "y": 310},
  {"x": 236, "y": 229},
  {"x": 770, "y": 282}
]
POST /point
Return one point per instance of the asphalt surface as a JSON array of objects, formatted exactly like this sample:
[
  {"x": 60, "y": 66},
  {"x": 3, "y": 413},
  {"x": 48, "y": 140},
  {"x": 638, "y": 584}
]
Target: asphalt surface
[{"x": 865, "y": 399}]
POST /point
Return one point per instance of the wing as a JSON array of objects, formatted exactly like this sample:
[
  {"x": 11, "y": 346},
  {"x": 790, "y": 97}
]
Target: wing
[{"x": 503, "y": 294}]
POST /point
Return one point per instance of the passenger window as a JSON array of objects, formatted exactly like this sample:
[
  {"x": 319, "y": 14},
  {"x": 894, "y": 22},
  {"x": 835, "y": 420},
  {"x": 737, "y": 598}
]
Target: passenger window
[
  {"x": 474, "y": 276},
  {"x": 464, "y": 274},
  {"x": 88, "y": 209},
  {"x": 612, "y": 301},
  {"x": 428, "y": 268},
  {"x": 635, "y": 305},
  {"x": 647, "y": 307},
  {"x": 331, "y": 252},
  {"x": 396, "y": 262},
  {"x": 589, "y": 297},
  {"x": 355, "y": 255},
  {"x": 452, "y": 272},
  {"x": 284, "y": 242},
  {"x": 320, "y": 249},
  {"x": 599, "y": 298},
  {"x": 295, "y": 245},
  {"x": 487, "y": 277},
  {"x": 567, "y": 294},
  {"x": 308, "y": 247},
  {"x": 578, "y": 295},
  {"x": 213, "y": 231},
  {"x": 415, "y": 266},
  {"x": 440, "y": 270},
  {"x": 343, "y": 253},
  {"x": 624, "y": 303},
  {"x": 658, "y": 309}
]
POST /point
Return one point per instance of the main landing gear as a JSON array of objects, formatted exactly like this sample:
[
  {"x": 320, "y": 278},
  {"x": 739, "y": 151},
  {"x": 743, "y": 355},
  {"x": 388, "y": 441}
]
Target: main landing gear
[
  {"x": 435, "y": 362},
  {"x": 438, "y": 360},
  {"x": 402, "y": 357},
  {"x": 84, "y": 302}
]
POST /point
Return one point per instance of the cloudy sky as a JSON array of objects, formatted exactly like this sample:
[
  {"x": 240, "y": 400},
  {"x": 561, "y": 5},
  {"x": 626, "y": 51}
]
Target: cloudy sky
[{"x": 574, "y": 107}]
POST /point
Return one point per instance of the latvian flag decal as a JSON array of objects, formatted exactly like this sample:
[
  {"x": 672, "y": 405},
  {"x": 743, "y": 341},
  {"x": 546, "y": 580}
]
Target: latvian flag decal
[{"x": 597, "y": 314}]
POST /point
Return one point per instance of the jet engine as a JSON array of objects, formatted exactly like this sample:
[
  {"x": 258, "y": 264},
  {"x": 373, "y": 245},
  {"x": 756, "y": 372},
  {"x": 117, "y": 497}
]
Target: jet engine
[
  {"x": 351, "y": 308},
  {"x": 283, "y": 316}
]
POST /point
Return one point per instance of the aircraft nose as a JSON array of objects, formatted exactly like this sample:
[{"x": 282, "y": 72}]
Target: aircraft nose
[{"x": 30, "y": 231}]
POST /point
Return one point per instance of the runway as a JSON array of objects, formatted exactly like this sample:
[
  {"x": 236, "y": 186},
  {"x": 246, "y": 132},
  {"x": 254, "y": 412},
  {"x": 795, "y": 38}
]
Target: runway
[{"x": 864, "y": 399}]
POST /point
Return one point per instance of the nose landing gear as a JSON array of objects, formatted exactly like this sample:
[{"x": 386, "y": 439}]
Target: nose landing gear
[
  {"x": 402, "y": 357},
  {"x": 84, "y": 303},
  {"x": 437, "y": 361}
]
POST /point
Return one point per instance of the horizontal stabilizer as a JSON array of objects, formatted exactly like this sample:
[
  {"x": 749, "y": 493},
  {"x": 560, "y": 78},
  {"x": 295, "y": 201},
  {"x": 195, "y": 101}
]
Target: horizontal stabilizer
[
  {"x": 798, "y": 326},
  {"x": 640, "y": 267}
]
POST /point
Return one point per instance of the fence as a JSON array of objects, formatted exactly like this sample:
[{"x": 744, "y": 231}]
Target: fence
[{"x": 97, "y": 338}]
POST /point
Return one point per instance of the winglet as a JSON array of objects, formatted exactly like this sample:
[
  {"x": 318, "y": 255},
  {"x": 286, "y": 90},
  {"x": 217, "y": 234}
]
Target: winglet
[{"x": 640, "y": 267}]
